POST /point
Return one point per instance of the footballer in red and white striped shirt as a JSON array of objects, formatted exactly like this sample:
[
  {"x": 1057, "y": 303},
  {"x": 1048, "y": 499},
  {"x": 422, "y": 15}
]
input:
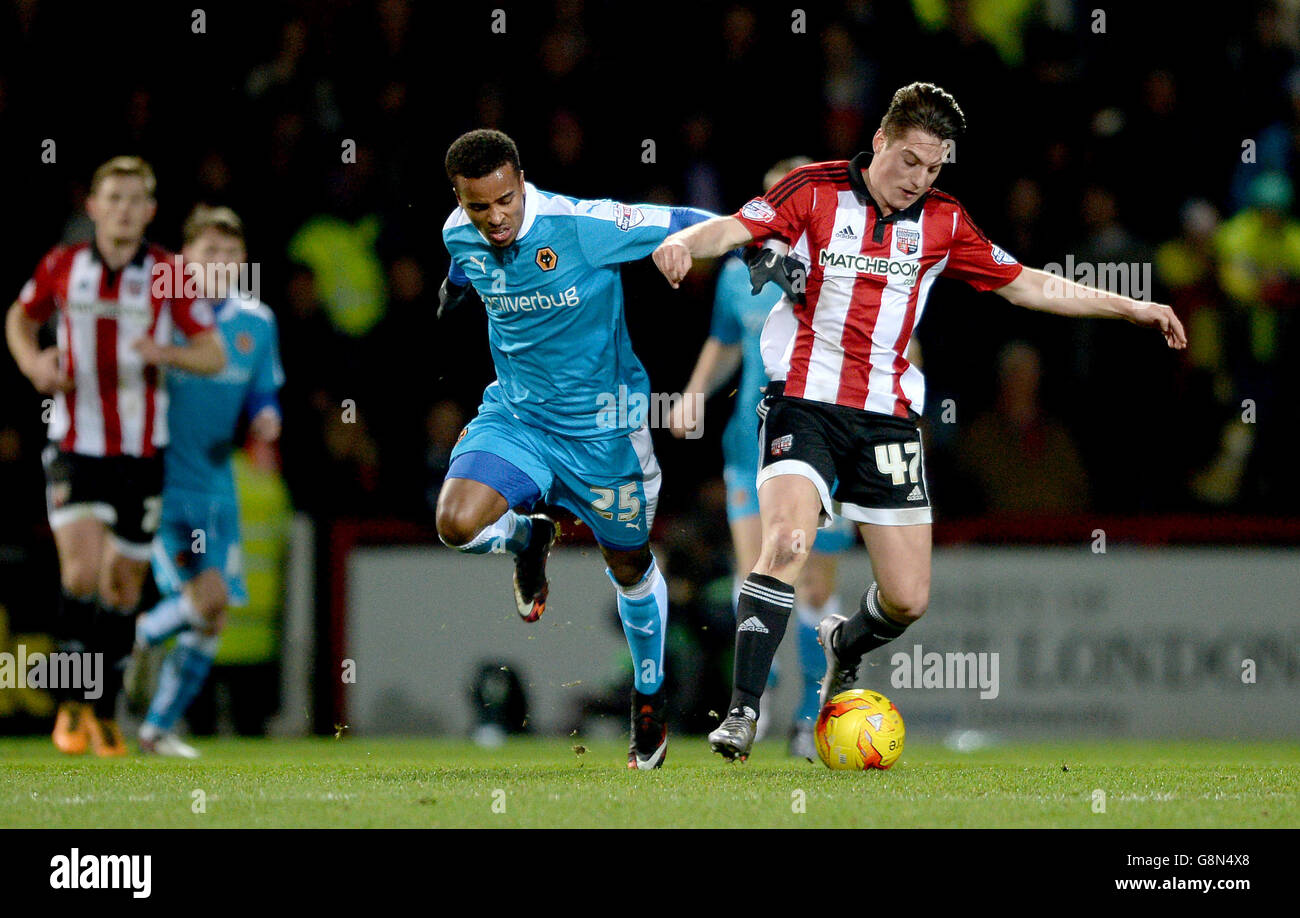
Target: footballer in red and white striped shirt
[
  {"x": 116, "y": 404},
  {"x": 869, "y": 276},
  {"x": 115, "y": 302},
  {"x": 867, "y": 238}
]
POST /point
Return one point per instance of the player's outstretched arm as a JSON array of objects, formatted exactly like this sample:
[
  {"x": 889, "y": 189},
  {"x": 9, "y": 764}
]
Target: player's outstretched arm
[
  {"x": 1035, "y": 289},
  {"x": 703, "y": 240},
  {"x": 204, "y": 355}
]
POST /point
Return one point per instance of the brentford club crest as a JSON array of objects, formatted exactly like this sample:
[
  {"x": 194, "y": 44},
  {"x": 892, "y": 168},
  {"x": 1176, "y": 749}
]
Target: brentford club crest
[
  {"x": 907, "y": 240},
  {"x": 759, "y": 211},
  {"x": 782, "y": 444}
]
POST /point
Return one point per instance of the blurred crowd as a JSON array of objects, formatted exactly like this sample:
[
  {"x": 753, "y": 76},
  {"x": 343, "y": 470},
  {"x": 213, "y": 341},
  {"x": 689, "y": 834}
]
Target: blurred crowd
[{"x": 1130, "y": 140}]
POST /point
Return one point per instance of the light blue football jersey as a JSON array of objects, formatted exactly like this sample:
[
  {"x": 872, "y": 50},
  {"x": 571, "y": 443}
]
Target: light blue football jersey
[
  {"x": 203, "y": 411},
  {"x": 554, "y": 300}
]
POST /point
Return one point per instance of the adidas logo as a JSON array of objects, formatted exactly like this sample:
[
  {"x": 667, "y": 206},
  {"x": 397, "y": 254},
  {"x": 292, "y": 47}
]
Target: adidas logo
[
  {"x": 753, "y": 624},
  {"x": 845, "y": 233},
  {"x": 916, "y": 494}
]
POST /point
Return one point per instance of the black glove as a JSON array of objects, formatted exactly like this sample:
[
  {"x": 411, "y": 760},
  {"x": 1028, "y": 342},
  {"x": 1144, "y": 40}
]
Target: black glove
[
  {"x": 452, "y": 295},
  {"x": 787, "y": 271},
  {"x": 770, "y": 392}
]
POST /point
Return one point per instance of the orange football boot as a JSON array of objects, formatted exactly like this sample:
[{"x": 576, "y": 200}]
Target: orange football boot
[
  {"x": 106, "y": 739},
  {"x": 70, "y": 732}
]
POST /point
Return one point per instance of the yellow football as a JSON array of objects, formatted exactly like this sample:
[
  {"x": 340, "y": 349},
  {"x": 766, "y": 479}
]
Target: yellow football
[{"x": 859, "y": 729}]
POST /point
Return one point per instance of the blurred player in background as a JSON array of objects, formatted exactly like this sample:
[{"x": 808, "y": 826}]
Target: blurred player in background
[
  {"x": 197, "y": 561},
  {"x": 738, "y": 317},
  {"x": 117, "y": 301},
  {"x": 560, "y": 423},
  {"x": 870, "y": 235}
]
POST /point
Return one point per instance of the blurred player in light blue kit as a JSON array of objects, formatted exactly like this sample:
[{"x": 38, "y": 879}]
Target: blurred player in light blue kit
[
  {"x": 196, "y": 559},
  {"x": 565, "y": 420},
  {"x": 739, "y": 315}
]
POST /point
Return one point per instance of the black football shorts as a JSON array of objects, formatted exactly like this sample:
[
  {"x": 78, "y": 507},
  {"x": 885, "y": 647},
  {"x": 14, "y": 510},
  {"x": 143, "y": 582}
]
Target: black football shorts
[
  {"x": 123, "y": 492},
  {"x": 867, "y": 467}
]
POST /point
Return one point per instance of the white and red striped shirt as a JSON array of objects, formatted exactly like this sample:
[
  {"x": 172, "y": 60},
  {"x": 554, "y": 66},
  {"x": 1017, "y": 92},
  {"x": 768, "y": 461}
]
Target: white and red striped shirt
[
  {"x": 118, "y": 406},
  {"x": 868, "y": 280}
]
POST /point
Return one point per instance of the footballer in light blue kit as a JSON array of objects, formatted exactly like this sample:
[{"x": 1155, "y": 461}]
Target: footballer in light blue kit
[
  {"x": 739, "y": 314},
  {"x": 554, "y": 426},
  {"x": 196, "y": 559}
]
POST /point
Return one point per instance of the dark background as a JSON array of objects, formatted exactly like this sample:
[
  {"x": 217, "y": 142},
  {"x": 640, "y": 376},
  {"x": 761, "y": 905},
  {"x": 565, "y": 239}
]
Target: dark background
[{"x": 1081, "y": 143}]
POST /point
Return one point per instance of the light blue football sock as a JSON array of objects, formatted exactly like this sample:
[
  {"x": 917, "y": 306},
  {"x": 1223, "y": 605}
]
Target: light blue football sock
[
  {"x": 182, "y": 675},
  {"x": 508, "y": 534},
  {"x": 812, "y": 660},
  {"x": 643, "y": 609},
  {"x": 171, "y": 616}
]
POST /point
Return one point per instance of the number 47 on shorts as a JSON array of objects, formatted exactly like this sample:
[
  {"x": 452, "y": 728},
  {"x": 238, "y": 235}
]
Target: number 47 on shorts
[{"x": 890, "y": 460}]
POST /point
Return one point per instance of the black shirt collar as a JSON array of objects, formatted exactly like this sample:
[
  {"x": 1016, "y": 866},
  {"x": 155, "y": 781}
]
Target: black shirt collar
[
  {"x": 857, "y": 165},
  {"x": 137, "y": 259}
]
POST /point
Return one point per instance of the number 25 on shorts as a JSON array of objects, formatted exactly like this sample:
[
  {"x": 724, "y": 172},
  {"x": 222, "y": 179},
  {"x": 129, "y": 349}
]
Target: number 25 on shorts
[{"x": 629, "y": 504}]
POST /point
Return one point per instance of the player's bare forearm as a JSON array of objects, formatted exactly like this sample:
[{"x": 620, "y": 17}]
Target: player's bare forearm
[
  {"x": 202, "y": 356},
  {"x": 20, "y": 333},
  {"x": 709, "y": 239},
  {"x": 715, "y": 365},
  {"x": 713, "y": 237},
  {"x": 1046, "y": 292},
  {"x": 1040, "y": 290},
  {"x": 42, "y": 367}
]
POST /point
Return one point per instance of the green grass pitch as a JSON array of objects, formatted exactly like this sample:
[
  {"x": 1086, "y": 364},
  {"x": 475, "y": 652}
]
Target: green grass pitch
[{"x": 361, "y": 782}]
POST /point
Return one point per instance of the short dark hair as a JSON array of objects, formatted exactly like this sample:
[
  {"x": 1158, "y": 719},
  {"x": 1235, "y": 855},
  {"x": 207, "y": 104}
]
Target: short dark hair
[
  {"x": 478, "y": 153},
  {"x": 925, "y": 107}
]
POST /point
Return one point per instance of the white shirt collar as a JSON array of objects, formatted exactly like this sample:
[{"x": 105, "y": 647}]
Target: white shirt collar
[{"x": 532, "y": 202}]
